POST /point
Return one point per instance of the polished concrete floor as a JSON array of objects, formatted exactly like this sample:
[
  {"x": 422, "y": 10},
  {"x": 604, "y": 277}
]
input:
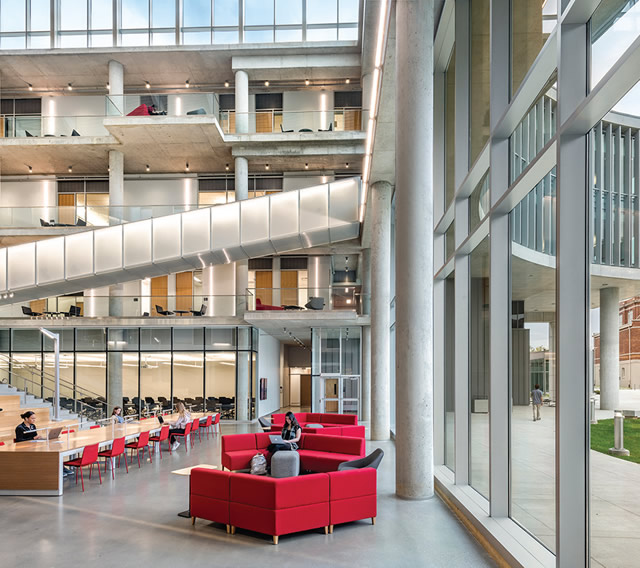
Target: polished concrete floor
[{"x": 133, "y": 521}]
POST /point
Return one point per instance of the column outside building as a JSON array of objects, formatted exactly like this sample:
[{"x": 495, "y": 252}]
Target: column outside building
[
  {"x": 609, "y": 349},
  {"x": 414, "y": 246},
  {"x": 380, "y": 203}
]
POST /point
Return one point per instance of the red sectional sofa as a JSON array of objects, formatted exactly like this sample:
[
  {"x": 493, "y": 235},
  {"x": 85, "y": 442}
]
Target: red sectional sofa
[
  {"x": 352, "y": 431},
  {"x": 317, "y": 452},
  {"x": 285, "y": 505},
  {"x": 326, "y": 419}
]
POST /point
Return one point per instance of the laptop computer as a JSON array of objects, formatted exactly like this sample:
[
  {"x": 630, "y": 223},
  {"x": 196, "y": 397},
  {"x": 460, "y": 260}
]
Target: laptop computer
[
  {"x": 276, "y": 439},
  {"x": 55, "y": 433},
  {"x": 160, "y": 419}
]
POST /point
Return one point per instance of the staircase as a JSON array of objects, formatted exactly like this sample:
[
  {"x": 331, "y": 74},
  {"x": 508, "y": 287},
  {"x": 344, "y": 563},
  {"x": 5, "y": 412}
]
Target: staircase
[{"x": 30, "y": 402}]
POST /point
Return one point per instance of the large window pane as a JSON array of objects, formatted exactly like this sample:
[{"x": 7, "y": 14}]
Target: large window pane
[
  {"x": 155, "y": 380},
  {"x": 40, "y": 19},
  {"x": 220, "y": 379},
  {"x": 220, "y": 339},
  {"x": 164, "y": 14},
  {"x": 450, "y": 129},
  {"x": 322, "y": 34},
  {"x": 101, "y": 14},
  {"x": 479, "y": 203},
  {"x": 91, "y": 376},
  {"x": 258, "y": 13},
  {"x": 531, "y": 24},
  {"x": 90, "y": 339},
  {"x": 322, "y": 11},
  {"x": 449, "y": 372},
  {"x": 348, "y": 11},
  {"x": 196, "y": 13},
  {"x": 533, "y": 325},
  {"x": 135, "y": 14},
  {"x": 479, "y": 368},
  {"x": 188, "y": 339},
  {"x": 13, "y": 15},
  {"x": 73, "y": 14},
  {"x": 288, "y": 11},
  {"x": 130, "y": 370},
  {"x": 258, "y": 36},
  {"x": 188, "y": 378},
  {"x": 480, "y": 83},
  {"x": 225, "y": 13},
  {"x": 155, "y": 338}
]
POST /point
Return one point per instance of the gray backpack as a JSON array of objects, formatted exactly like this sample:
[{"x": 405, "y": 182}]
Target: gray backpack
[{"x": 258, "y": 465}]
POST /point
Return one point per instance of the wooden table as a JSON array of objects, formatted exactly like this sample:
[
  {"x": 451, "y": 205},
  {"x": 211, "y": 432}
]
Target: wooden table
[{"x": 35, "y": 468}]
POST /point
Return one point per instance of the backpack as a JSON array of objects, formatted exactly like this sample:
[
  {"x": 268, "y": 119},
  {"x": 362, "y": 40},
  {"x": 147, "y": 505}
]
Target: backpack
[{"x": 258, "y": 465}]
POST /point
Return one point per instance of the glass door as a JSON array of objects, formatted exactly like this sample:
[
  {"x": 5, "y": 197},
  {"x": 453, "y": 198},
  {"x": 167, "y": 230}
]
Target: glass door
[
  {"x": 340, "y": 394},
  {"x": 330, "y": 401}
]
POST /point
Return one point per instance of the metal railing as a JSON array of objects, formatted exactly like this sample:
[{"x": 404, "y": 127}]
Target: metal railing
[
  {"x": 39, "y": 126},
  {"x": 330, "y": 298}
]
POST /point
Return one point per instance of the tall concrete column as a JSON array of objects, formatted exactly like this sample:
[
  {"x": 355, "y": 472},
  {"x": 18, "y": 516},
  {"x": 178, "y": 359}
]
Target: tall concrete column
[
  {"x": 116, "y": 184},
  {"x": 319, "y": 278},
  {"x": 365, "y": 302},
  {"x": 242, "y": 102},
  {"x": 380, "y": 203},
  {"x": 609, "y": 349},
  {"x": 242, "y": 266},
  {"x": 116, "y": 88},
  {"x": 242, "y": 384},
  {"x": 276, "y": 281},
  {"x": 414, "y": 249}
]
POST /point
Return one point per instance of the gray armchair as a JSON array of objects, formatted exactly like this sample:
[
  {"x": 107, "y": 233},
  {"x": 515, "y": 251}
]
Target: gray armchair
[
  {"x": 315, "y": 303},
  {"x": 372, "y": 460}
]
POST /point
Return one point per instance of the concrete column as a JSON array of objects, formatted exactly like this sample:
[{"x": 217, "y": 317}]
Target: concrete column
[
  {"x": 116, "y": 89},
  {"x": 319, "y": 278},
  {"x": 380, "y": 203},
  {"x": 242, "y": 384},
  {"x": 365, "y": 302},
  {"x": 114, "y": 380},
  {"x": 609, "y": 349},
  {"x": 242, "y": 102},
  {"x": 116, "y": 305},
  {"x": 414, "y": 246},
  {"x": 116, "y": 184},
  {"x": 367, "y": 83},
  {"x": 242, "y": 266},
  {"x": 276, "y": 281}
]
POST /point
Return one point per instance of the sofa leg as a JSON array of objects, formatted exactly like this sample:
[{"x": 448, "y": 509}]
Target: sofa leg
[
  {"x": 193, "y": 520},
  {"x": 275, "y": 539},
  {"x": 373, "y": 520},
  {"x": 228, "y": 529},
  {"x": 326, "y": 530},
  {"x": 233, "y": 529},
  {"x": 330, "y": 529}
]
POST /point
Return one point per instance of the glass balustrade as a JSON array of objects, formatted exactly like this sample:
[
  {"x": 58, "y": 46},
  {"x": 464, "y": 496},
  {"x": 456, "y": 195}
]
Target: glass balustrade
[
  {"x": 38, "y": 126},
  {"x": 285, "y": 121},
  {"x": 294, "y": 299}
]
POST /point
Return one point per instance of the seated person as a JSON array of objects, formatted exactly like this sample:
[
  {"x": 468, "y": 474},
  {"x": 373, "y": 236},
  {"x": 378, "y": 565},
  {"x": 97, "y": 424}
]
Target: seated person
[
  {"x": 27, "y": 430},
  {"x": 116, "y": 415},
  {"x": 179, "y": 425},
  {"x": 292, "y": 432}
]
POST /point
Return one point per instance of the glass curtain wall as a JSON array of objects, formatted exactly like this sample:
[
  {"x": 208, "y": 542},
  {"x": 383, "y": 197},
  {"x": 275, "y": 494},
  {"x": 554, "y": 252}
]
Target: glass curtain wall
[
  {"x": 479, "y": 337},
  {"x": 533, "y": 324},
  {"x": 480, "y": 80}
]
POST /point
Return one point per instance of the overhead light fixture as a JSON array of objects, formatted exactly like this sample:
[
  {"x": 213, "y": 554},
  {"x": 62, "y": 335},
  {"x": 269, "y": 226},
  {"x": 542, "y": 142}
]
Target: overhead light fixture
[
  {"x": 148, "y": 168},
  {"x": 108, "y": 86},
  {"x": 69, "y": 87},
  {"x": 10, "y": 294},
  {"x": 186, "y": 83},
  {"x": 186, "y": 167},
  {"x": 347, "y": 81},
  {"x": 347, "y": 165},
  {"x": 147, "y": 85},
  {"x": 266, "y": 166},
  {"x": 70, "y": 169},
  {"x": 108, "y": 169},
  {"x": 30, "y": 86},
  {"x": 30, "y": 169},
  {"x": 226, "y": 167},
  {"x": 306, "y": 166},
  {"x": 266, "y": 83},
  {"x": 226, "y": 84},
  {"x": 5, "y": 296},
  {"x": 307, "y": 82}
]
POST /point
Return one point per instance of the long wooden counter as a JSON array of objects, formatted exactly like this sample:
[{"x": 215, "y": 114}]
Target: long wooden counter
[{"x": 35, "y": 468}]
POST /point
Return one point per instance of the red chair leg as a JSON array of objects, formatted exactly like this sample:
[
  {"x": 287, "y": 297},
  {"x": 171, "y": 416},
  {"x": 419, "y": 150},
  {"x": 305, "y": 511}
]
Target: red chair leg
[
  {"x": 82, "y": 478},
  {"x": 113, "y": 475},
  {"x": 125, "y": 462},
  {"x": 99, "y": 474}
]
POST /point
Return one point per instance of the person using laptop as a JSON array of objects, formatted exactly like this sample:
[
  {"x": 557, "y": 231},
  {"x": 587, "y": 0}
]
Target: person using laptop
[
  {"x": 291, "y": 434},
  {"x": 116, "y": 415},
  {"x": 179, "y": 425},
  {"x": 26, "y": 431}
]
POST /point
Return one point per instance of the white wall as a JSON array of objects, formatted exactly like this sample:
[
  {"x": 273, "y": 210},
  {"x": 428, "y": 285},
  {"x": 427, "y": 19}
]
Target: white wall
[
  {"x": 269, "y": 368},
  {"x": 299, "y": 180},
  {"x": 38, "y": 198},
  {"x": 307, "y": 109},
  {"x": 64, "y": 114},
  {"x": 219, "y": 286},
  {"x": 182, "y": 191}
]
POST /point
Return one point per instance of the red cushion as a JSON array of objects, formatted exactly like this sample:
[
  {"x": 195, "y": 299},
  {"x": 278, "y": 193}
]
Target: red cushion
[
  {"x": 312, "y": 417},
  {"x": 277, "y": 418},
  {"x": 334, "y": 444},
  {"x": 240, "y": 459},
  {"x": 262, "y": 440},
  {"x": 272, "y": 493},
  {"x": 283, "y": 521},
  {"x": 353, "y": 495},
  {"x": 234, "y": 442},
  {"x": 353, "y": 431},
  {"x": 141, "y": 110},
  {"x": 322, "y": 461},
  {"x": 209, "y": 495},
  {"x": 350, "y": 419}
]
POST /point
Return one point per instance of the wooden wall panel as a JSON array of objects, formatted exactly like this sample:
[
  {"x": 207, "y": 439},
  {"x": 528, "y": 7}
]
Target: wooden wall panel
[
  {"x": 184, "y": 291},
  {"x": 67, "y": 213},
  {"x": 289, "y": 285},
  {"x": 264, "y": 286},
  {"x": 159, "y": 292}
]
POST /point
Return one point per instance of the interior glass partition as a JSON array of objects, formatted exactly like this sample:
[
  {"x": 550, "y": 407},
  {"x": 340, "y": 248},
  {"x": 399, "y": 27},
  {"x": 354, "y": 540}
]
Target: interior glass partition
[{"x": 533, "y": 331}]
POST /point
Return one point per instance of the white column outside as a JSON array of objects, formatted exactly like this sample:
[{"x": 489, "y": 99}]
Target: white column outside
[{"x": 609, "y": 349}]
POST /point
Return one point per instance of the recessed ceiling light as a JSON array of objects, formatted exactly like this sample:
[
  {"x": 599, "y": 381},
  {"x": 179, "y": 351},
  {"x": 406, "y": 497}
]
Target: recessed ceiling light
[
  {"x": 69, "y": 87},
  {"x": 10, "y": 294},
  {"x": 30, "y": 86},
  {"x": 347, "y": 165},
  {"x": 108, "y": 86},
  {"x": 148, "y": 168},
  {"x": 266, "y": 166},
  {"x": 307, "y": 82},
  {"x": 226, "y": 167},
  {"x": 147, "y": 85},
  {"x": 226, "y": 83},
  {"x": 70, "y": 169},
  {"x": 266, "y": 83},
  {"x": 186, "y": 83},
  {"x": 186, "y": 167},
  {"x": 347, "y": 81},
  {"x": 306, "y": 166},
  {"x": 30, "y": 169}
]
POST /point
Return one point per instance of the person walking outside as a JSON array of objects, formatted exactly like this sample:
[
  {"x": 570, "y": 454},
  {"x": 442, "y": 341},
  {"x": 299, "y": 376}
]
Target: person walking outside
[{"x": 536, "y": 399}]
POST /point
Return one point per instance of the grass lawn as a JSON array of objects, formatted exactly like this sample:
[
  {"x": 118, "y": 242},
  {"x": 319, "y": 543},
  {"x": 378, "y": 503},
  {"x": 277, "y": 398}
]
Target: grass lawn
[{"x": 602, "y": 438}]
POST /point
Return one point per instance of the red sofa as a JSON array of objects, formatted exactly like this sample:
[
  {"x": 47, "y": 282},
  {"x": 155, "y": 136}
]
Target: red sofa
[
  {"x": 353, "y": 431},
  {"x": 317, "y": 452},
  {"x": 261, "y": 306},
  {"x": 285, "y": 505},
  {"x": 326, "y": 419},
  {"x": 141, "y": 110}
]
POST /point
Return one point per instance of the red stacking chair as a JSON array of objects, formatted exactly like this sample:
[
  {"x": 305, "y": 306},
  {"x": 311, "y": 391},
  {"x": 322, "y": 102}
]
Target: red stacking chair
[
  {"x": 117, "y": 449},
  {"x": 140, "y": 444},
  {"x": 94, "y": 426},
  {"x": 207, "y": 425},
  {"x": 89, "y": 457},
  {"x": 216, "y": 423},
  {"x": 187, "y": 431},
  {"x": 164, "y": 435},
  {"x": 67, "y": 432},
  {"x": 195, "y": 427}
]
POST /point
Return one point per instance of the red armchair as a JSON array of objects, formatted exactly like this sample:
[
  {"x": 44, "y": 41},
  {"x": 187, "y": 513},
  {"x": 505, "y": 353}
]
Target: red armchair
[
  {"x": 261, "y": 306},
  {"x": 209, "y": 496},
  {"x": 353, "y": 496}
]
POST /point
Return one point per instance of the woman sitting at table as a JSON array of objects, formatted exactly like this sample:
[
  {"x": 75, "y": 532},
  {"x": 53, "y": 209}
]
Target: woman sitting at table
[
  {"x": 116, "y": 415},
  {"x": 179, "y": 425},
  {"x": 291, "y": 433},
  {"x": 27, "y": 430}
]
